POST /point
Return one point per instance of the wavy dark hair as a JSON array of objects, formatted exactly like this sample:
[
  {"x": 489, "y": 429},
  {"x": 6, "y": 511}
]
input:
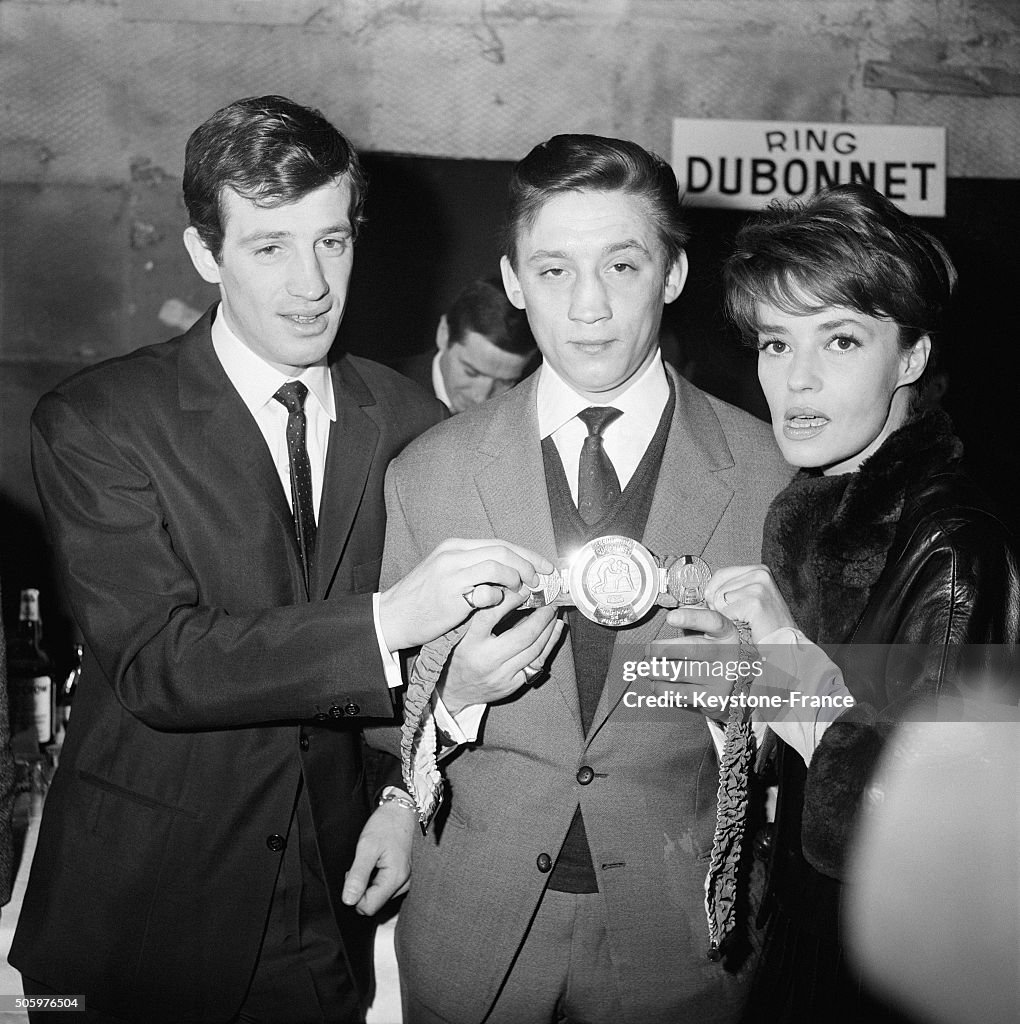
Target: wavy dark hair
[
  {"x": 846, "y": 246},
  {"x": 269, "y": 150},
  {"x": 591, "y": 163}
]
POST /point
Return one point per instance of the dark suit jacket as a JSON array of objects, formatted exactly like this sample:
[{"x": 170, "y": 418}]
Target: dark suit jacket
[
  {"x": 211, "y": 682},
  {"x": 649, "y": 811}
]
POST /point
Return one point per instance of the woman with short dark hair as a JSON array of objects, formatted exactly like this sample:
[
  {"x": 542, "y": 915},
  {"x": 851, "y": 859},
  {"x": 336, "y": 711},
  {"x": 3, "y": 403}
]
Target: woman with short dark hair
[{"x": 879, "y": 542}]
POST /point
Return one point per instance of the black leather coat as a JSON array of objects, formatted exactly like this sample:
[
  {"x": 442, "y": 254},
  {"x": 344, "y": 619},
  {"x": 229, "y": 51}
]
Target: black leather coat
[{"x": 893, "y": 570}]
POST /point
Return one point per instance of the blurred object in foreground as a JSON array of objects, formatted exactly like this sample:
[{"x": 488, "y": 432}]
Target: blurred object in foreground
[
  {"x": 177, "y": 314},
  {"x": 933, "y": 901}
]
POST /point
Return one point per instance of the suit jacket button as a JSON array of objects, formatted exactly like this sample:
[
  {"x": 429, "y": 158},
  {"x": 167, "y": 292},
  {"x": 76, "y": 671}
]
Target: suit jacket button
[
  {"x": 336, "y": 711},
  {"x": 351, "y": 709},
  {"x": 303, "y": 743},
  {"x": 275, "y": 842},
  {"x": 544, "y": 863},
  {"x": 585, "y": 775}
]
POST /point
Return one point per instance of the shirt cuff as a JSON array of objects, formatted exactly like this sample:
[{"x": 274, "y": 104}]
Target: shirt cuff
[
  {"x": 390, "y": 659},
  {"x": 460, "y": 728},
  {"x": 783, "y": 635},
  {"x": 717, "y": 731},
  {"x": 801, "y": 691}
]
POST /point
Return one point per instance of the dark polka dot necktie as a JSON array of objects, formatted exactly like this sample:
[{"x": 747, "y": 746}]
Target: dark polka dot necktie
[
  {"x": 598, "y": 486},
  {"x": 292, "y": 396}
]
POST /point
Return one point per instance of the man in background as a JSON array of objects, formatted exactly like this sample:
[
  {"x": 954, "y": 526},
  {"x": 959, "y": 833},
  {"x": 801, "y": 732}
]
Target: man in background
[{"x": 484, "y": 347}]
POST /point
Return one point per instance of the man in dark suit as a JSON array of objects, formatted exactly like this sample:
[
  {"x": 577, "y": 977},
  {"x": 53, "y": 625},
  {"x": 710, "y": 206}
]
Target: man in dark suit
[
  {"x": 567, "y": 880},
  {"x": 483, "y": 348},
  {"x": 207, "y": 850}
]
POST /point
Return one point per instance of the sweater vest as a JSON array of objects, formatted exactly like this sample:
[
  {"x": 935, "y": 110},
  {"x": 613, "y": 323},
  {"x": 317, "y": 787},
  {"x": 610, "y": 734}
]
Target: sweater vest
[{"x": 591, "y": 643}]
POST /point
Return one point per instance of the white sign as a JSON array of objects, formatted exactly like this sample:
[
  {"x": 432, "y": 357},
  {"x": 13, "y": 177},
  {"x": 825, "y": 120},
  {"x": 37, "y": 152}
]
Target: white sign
[{"x": 744, "y": 165}]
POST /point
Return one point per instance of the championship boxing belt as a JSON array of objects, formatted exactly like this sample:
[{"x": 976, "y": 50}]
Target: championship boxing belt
[
  {"x": 615, "y": 581},
  {"x": 612, "y": 580}
]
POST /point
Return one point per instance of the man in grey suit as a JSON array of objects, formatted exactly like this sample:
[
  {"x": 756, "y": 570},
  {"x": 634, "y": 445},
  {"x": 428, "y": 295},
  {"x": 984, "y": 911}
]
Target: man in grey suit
[{"x": 567, "y": 880}]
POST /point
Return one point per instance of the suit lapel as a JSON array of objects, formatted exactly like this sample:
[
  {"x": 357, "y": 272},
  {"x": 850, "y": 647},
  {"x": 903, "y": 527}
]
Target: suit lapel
[
  {"x": 688, "y": 503},
  {"x": 353, "y": 439},
  {"x": 237, "y": 455},
  {"x": 234, "y": 449},
  {"x": 513, "y": 494}
]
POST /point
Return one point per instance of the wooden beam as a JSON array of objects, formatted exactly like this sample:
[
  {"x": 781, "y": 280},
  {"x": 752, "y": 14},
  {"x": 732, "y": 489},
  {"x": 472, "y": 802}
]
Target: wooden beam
[
  {"x": 237, "y": 12},
  {"x": 971, "y": 81}
]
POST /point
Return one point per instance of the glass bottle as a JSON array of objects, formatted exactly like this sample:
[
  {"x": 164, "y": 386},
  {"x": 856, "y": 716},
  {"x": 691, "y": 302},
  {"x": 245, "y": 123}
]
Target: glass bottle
[{"x": 30, "y": 682}]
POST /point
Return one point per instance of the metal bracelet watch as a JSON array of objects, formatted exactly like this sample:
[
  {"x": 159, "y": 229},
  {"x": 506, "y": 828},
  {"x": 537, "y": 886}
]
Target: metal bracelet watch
[{"x": 392, "y": 795}]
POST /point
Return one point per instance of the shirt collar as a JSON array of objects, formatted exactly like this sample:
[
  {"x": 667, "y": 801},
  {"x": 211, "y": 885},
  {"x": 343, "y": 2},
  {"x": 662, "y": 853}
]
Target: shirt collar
[
  {"x": 644, "y": 399},
  {"x": 256, "y": 381},
  {"x": 438, "y": 383}
]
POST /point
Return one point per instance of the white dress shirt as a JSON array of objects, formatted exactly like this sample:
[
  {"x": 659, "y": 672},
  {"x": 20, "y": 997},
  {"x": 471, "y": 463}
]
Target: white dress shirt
[
  {"x": 256, "y": 382},
  {"x": 625, "y": 440},
  {"x": 438, "y": 383}
]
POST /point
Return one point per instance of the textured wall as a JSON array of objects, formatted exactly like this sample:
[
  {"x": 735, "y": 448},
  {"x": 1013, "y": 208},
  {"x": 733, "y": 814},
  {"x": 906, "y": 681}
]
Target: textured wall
[
  {"x": 92, "y": 86},
  {"x": 99, "y": 97}
]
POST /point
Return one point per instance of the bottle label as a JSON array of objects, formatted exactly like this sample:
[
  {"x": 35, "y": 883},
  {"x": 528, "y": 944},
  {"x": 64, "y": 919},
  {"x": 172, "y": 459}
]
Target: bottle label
[
  {"x": 29, "y": 611},
  {"x": 42, "y": 690}
]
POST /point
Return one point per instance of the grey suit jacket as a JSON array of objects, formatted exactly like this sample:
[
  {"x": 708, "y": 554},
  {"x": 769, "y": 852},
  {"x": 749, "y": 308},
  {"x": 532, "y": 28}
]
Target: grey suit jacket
[{"x": 649, "y": 813}]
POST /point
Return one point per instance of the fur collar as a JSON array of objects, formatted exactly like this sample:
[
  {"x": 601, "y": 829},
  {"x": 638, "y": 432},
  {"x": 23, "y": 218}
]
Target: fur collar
[{"x": 827, "y": 537}]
